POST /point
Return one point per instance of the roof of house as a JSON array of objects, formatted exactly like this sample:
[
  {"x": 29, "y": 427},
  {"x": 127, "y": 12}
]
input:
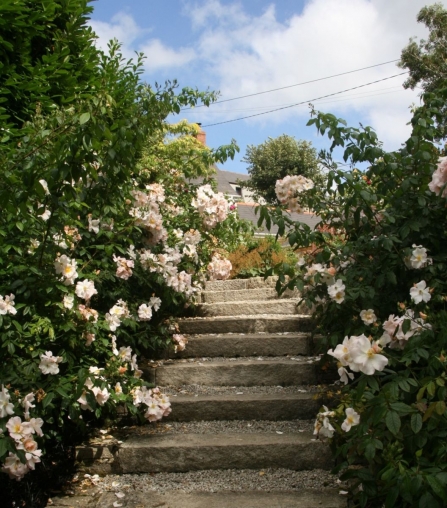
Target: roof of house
[
  {"x": 247, "y": 211},
  {"x": 223, "y": 180}
]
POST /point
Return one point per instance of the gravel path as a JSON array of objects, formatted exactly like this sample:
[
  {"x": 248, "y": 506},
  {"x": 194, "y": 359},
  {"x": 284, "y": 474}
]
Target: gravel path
[
  {"x": 254, "y": 359},
  {"x": 217, "y": 480},
  {"x": 172, "y": 391},
  {"x": 217, "y": 427}
]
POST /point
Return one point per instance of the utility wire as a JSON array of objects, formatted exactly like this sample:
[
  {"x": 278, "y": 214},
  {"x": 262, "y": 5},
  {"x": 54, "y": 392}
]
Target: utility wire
[
  {"x": 291, "y": 86},
  {"x": 304, "y": 102},
  {"x": 359, "y": 95}
]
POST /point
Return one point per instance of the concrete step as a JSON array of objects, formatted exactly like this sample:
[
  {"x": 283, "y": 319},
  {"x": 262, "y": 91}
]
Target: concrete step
[
  {"x": 235, "y": 284},
  {"x": 241, "y": 372},
  {"x": 251, "y": 406},
  {"x": 222, "y": 499},
  {"x": 198, "y": 452},
  {"x": 253, "y": 344},
  {"x": 246, "y": 324},
  {"x": 283, "y": 306},
  {"x": 241, "y": 295}
]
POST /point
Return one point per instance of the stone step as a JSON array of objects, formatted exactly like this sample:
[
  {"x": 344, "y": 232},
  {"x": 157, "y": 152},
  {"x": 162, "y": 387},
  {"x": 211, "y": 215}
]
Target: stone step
[
  {"x": 222, "y": 499},
  {"x": 278, "y": 323},
  {"x": 241, "y": 295},
  {"x": 234, "y": 284},
  {"x": 283, "y": 306},
  {"x": 250, "y": 406},
  {"x": 253, "y": 344},
  {"x": 197, "y": 452},
  {"x": 241, "y": 372}
]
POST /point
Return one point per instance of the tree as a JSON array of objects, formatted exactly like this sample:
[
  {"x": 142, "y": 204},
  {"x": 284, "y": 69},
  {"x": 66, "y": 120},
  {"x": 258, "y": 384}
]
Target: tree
[
  {"x": 427, "y": 61},
  {"x": 276, "y": 158},
  {"x": 47, "y": 54}
]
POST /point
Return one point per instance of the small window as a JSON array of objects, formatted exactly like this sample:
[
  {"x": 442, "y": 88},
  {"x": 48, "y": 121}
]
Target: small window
[{"x": 238, "y": 191}]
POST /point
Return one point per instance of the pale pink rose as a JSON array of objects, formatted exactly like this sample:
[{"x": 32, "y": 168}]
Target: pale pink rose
[{"x": 439, "y": 179}]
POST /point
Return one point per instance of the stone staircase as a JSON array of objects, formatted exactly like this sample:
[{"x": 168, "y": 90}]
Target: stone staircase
[{"x": 243, "y": 406}]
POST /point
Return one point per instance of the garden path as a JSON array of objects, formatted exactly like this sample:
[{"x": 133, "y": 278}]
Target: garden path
[{"x": 243, "y": 405}]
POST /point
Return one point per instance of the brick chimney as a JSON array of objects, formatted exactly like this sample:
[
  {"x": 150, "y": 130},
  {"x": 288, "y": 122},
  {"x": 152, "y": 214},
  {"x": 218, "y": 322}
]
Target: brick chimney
[{"x": 201, "y": 136}]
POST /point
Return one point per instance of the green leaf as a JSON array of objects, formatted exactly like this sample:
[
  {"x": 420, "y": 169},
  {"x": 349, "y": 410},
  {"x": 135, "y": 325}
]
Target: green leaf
[
  {"x": 373, "y": 384},
  {"x": 84, "y": 118},
  {"x": 60, "y": 391},
  {"x": 428, "y": 501},
  {"x": 431, "y": 388},
  {"x": 404, "y": 385},
  {"x": 437, "y": 487},
  {"x": 370, "y": 451},
  {"x": 440, "y": 407},
  {"x": 392, "y": 421},
  {"x": 402, "y": 408},
  {"x": 391, "y": 497},
  {"x": 47, "y": 399},
  {"x": 406, "y": 325},
  {"x": 3, "y": 447},
  {"x": 416, "y": 422}
]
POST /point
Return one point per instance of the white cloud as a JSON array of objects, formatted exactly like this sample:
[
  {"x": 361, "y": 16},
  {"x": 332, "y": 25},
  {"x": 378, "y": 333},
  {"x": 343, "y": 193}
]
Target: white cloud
[
  {"x": 159, "y": 56},
  {"x": 124, "y": 28},
  {"x": 239, "y": 53},
  {"x": 244, "y": 54},
  {"x": 212, "y": 10}
]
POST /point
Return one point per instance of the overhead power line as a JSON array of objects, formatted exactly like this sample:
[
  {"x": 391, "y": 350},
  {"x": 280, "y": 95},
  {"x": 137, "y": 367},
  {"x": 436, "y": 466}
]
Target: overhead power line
[
  {"x": 304, "y": 102},
  {"x": 291, "y": 86},
  {"x": 358, "y": 95}
]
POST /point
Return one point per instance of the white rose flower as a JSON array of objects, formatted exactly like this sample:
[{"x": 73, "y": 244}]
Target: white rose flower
[
  {"x": 6, "y": 407},
  {"x": 420, "y": 292},
  {"x": 352, "y": 419},
  {"x": 155, "y": 303},
  {"x": 93, "y": 224},
  {"x": 418, "y": 257},
  {"x": 368, "y": 316},
  {"x": 101, "y": 396},
  {"x": 85, "y": 289},
  {"x": 7, "y": 305},
  {"x": 45, "y": 186},
  {"x": 337, "y": 291},
  {"x": 144, "y": 312},
  {"x": 45, "y": 215},
  {"x": 68, "y": 301},
  {"x": 49, "y": 363}
]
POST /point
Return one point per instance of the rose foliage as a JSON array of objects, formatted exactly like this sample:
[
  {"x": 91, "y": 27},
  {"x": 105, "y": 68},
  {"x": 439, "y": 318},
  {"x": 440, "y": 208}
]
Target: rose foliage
[
  {"x": 374, "y": 273},
  {"x": 103, "y": 241}
]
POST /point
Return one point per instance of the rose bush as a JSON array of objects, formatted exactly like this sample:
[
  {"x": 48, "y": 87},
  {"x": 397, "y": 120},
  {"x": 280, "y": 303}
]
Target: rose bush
[
  {"x": 103, "y": 243},
  {"x": 374, "y": 273}
]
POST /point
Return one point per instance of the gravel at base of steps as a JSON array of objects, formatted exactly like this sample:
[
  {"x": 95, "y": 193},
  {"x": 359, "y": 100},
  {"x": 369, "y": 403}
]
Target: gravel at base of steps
[
  {"x": 266, "y": 480},
  {"x": 172, "y": 391},
  {"x": 217, "y": 427},
  {"x": 224, "y": 359}
]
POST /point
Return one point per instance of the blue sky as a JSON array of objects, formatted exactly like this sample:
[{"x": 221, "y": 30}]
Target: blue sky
[{"x": 251, "y": 46}]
